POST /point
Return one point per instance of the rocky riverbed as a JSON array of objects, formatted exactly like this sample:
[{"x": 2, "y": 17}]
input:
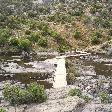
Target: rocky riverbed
[{"x": 94, "y": 76}]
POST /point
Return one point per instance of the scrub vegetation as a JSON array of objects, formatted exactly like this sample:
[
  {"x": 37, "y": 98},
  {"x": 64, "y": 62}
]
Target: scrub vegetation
[{"x": 59, "y": 25}]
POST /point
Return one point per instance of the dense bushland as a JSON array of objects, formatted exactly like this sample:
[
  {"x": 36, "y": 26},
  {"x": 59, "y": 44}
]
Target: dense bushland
[{"x": 60, "y": 25}]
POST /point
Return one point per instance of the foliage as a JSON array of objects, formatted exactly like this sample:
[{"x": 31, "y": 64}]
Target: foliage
[
  {"x": 95, "y": 40},
  {"x": 20, "y": 15},
  {"x": 24, "y": 44},
  {"x": 27, "y": 32},
  {"x": 38, "y": 92},
  {"x": 98, "y": 34},
  {"x": 4, "y": 36},
  {"x": 62, "y": 48},
  {"x": 104, "y": 97},
  {"x": 72, "y": 72},
  {"x": 86, "y": 98},
  {"x": 33, "y": 94},
  {"x": 106, "y": 24},
  {"x": 34, "y": 37},
  {"x": 42, "y": 42},
  {"x": 75, "y": 92},
  {"x": 2, "y": 110},
  {"x": 14, "y": 41},
  {"x": 77, "y": 34}
]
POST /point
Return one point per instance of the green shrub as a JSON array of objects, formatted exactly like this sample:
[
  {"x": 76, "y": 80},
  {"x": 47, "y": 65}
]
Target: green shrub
[
  {"x": 62, "y": 48},
  {"x": 42, "y": 26},
  {"x": 2, "y": 110},
  {"x": 78, "y": 13},
  {"x": 24, "y": 44},
  {"x": 12, "y": 94},
  {"x": 14, "y": 41},
  {"x": 33, "y": 26},
  {"x": 33, "y": 94},
  {"x": 4, "y": 36},
  {"x": 54, "y": 34},
  {"x": 104, "y": 97},
  {"x": 51, "y": 18},
  {"x": 46, "y": 32},
  {"x": 75, "y": 92},
  {"x": 106, "y": 24},
  {"x": 98, "y": 34},
  {"x": 42, "y": 42},
  {"x": 77, "y": 34},
  {"x": 27, "y": 32},
  {"x": 38, "y": 92},
  {"x": 34, "y": 37},
  {"x": 95, "y": 40},
  {"x": 86, "y": 98}
]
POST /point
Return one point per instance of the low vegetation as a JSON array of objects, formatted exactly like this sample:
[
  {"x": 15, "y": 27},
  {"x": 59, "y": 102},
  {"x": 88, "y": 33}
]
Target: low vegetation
[
  {"x": 26, "y": 25},
  {"x": 34, "y": 93},
  {"x": 75, "y": 92},
  {"x": 104, "y": 97},
  {"x": 77, "y": 34},
  {"x": 72, "y": 72},
  {"x": 2, "y": 110},
  {"x": 78, "y": 92}
]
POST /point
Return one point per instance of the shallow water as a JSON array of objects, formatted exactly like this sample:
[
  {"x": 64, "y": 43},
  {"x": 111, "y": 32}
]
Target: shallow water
[{"x": 17, "y": 70}]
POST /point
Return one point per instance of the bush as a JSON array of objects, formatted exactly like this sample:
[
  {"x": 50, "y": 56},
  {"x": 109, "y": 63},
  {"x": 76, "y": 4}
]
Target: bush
[
  {"x": 14, "y": 41},
  {"x": 104, "y": 97},
  {"x": 75, "y": 92},
  {"x": 77, "y": 34},
  {"x": 42, "y": 42},
  {"x": 24, "y": 44},
  {"x": 106, "y": 24},
  {"x": 86, "y": 98},
  {"x": 34, "y": 37},
  {"x": 95, "y": 40},
  {"x": 98, "y": 34},
  {"x": 46, "y": 32},
  {"x": 2, "y": 110},
  {"x": 4, "y": 36},
  {"x": 42, "y": 26},
  {"x": 38, "y": 92},
  {"x": 54, "y": 34},
  {"x": 33, "y": 94},
  {"x": 27, "y": 32},
  {"x": 62, "y": 48}
]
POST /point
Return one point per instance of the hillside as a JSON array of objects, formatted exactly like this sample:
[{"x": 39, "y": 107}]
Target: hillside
[{"x": 55, "y": 24}]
